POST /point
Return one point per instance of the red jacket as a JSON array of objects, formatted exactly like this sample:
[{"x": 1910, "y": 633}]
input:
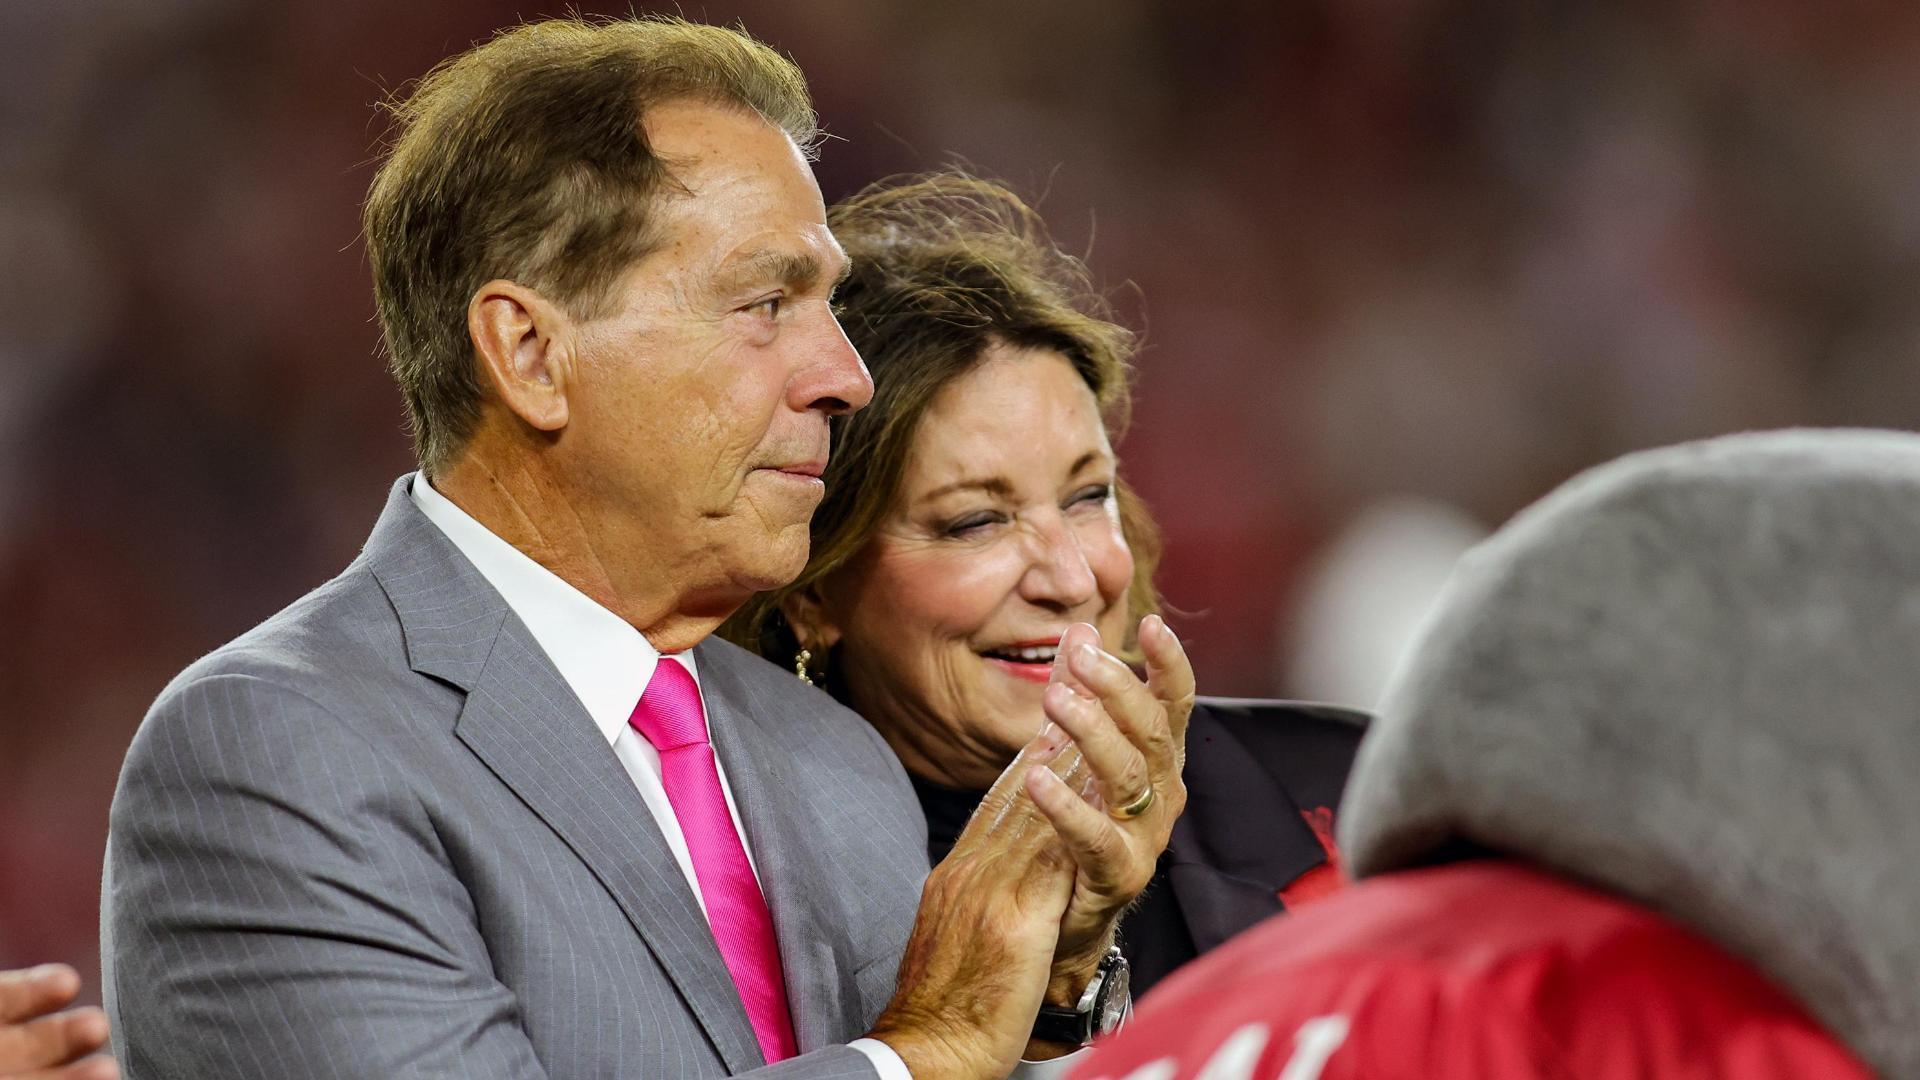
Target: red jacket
[{"x": 1470, "y": 971}]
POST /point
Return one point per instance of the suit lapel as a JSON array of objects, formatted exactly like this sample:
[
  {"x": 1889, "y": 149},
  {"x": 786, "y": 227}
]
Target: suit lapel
[
  {"x": 526, "y": 725},
  {"x": 769, "y": 788},
  {"x": 1239, "y": 842}
]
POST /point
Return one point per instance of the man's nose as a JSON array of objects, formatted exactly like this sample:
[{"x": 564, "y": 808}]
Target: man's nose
[
  {"x": 1059, "y": 575},
  {"x": 836, "y": 379}
]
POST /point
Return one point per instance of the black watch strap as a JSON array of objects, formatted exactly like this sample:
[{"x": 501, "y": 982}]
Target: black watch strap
[
  {"x": 1062, "y": 1025},
  {"x": 1097, "y": 1009}
]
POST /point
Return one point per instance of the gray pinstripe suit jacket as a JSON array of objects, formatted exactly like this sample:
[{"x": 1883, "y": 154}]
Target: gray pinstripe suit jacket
[{"x": 378, "y": 837}]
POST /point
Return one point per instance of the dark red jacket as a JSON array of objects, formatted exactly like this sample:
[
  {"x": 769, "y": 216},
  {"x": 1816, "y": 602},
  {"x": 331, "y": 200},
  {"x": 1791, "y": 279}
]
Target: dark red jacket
[{"x": 1483, "y": 970}]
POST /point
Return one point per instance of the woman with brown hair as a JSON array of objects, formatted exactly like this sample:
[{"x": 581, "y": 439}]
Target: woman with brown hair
[{"x": 974, "y": 512}]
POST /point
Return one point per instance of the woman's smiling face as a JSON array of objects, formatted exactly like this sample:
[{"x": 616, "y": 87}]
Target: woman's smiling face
[{"x": 1005, "y": 532}]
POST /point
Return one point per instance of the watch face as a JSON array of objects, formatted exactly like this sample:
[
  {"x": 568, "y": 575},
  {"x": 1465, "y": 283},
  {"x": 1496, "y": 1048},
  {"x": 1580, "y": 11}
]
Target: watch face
[{"x": 1114, "y": 999}]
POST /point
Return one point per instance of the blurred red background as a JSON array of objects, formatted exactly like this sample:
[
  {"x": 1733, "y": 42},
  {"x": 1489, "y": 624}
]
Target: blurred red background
[{"x": 1446, "y": 251}]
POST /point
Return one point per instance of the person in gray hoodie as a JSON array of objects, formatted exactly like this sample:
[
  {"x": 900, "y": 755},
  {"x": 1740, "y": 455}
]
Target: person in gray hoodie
[{"x": 1641, "y": 803}]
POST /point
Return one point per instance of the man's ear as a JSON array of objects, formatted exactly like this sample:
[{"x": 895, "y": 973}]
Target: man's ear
[
  {"x": 524, "y": 344},
  {"x": 807, "y": 614}
]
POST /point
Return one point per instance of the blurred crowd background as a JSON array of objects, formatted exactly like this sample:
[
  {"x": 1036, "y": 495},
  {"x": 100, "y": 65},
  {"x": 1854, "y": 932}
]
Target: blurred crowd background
[{"x": 1401, "y": 267}]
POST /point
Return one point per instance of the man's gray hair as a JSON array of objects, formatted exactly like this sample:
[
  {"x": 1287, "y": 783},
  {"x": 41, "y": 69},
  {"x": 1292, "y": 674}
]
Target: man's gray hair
[{"x": 524, "y": 158}]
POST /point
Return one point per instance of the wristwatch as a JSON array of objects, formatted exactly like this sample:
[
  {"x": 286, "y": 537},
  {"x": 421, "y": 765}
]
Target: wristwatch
[{"x": 1102, "y": 1007}]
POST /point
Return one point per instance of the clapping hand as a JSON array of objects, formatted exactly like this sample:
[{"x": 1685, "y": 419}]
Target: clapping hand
[
  {"x": 1023, "y": 908},
  {"x": 980, "y": 956},
  {"x": 1113, "y": 796},
  {"x": 39, "y": 1043}
]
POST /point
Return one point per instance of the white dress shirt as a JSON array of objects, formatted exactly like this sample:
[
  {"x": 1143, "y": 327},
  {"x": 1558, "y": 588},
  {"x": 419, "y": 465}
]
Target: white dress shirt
[{"x": 607, "y": 663}]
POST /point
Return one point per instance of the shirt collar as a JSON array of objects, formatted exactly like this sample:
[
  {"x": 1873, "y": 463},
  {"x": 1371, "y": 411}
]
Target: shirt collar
[{"x": 605, "y": 661}]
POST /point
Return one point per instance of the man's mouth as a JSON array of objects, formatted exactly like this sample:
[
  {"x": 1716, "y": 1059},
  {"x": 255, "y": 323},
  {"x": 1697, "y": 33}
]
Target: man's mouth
[{"x": 810, "y": 470}]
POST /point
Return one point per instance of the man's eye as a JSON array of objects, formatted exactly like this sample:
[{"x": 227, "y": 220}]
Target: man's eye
[{"x": 771, "y": 306}]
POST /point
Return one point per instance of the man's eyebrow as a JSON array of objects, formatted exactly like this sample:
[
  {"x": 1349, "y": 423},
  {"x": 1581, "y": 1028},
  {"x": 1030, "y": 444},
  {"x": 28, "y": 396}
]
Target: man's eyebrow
[{"x": 790, "y": 268}]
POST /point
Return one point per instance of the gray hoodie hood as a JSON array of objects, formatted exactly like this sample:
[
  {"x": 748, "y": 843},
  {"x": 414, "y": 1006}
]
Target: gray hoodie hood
[{"x": 1691, "y": 677}]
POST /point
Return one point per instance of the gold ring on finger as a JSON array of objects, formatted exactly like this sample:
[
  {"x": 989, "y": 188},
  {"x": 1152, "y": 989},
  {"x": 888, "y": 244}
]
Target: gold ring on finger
[{"x": 1135, "y": 808}]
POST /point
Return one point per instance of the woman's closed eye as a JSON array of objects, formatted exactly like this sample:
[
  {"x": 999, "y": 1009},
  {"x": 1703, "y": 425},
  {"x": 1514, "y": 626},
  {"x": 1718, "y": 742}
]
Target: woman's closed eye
[
  {"x": 972, "y": 524},
  {"x": 976, "y": 523},
  {"x": 1091, "y": 495}
]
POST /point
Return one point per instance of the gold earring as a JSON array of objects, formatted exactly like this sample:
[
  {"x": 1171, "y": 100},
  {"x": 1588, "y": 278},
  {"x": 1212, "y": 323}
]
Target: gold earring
[{"x": 800, "y": 666}]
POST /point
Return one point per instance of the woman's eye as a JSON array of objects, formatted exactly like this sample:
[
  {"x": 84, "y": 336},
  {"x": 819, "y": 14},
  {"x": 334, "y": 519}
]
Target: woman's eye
[
  {"x": 970, "y": 524},
  {"x": 1091, "y": 494}
]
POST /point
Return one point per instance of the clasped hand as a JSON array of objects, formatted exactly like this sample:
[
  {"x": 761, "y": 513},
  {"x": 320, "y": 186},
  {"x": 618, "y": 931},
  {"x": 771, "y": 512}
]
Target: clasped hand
[
  {"x": 1128, "y": 745},
  {"x": 1024, "y": 907}
]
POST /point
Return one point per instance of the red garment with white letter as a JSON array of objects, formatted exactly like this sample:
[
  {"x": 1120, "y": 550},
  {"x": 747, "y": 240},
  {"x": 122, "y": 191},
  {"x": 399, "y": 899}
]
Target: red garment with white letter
[{"x": 1484, "y": 970}]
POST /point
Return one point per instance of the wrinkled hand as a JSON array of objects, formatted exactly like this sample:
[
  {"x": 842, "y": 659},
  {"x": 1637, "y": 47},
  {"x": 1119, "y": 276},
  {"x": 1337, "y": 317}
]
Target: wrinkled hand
[
  {"x": 38, "y": 1043},
  {"x": 1129, "y": 737},
  {"x": 979, "y": 958},
  {"x": 1024, "y": 907}
]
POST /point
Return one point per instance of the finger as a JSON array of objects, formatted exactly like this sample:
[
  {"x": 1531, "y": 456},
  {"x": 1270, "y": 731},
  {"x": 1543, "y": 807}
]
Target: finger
[
  {"x": 1091, "y": 838},
  {"x": 1039, "y": 750},
  {"x": 1046, "y": 888},
  {"x": 51, "y": 1040},
  {"x": 1005, "y": 819},
  {"x": 1132, "y": 708},
  {"x": 93, "y": 1068},
  {"x": 1169, "y": 673},
  {"x": 1119, "y": 771},
  {"x": 36, "y": 991},
  {"x": 1076, "y": 635}
]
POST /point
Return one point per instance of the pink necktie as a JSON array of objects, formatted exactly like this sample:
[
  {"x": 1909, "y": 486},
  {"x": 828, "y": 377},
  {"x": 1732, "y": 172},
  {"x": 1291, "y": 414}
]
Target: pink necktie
[{"x": 669, "y": 716}]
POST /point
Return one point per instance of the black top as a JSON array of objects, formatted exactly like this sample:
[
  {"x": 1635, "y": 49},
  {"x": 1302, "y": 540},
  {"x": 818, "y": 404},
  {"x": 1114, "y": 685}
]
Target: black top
[{"x": 1256, "y": 771}]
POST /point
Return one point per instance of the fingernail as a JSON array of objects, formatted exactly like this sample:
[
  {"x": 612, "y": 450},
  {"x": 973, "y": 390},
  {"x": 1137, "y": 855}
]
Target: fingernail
[
  {"x": 91, "y": 1025},
  {"x": 1088, "y": 665},
  {"x": 1051, "y": 780}
]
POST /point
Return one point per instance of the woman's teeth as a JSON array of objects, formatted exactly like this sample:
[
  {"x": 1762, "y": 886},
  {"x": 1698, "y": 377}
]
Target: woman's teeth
[{"x": 1031, "y": 654}]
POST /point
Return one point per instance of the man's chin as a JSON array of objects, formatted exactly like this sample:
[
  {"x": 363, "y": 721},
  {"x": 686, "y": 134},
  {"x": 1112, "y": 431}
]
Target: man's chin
[{"x": 774, "y": 561}]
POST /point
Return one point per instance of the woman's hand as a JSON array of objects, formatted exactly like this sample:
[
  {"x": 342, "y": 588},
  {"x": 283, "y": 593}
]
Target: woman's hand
[
  {"x": 1114, "y": 796},
  {"x": 1023, "y": 909}
]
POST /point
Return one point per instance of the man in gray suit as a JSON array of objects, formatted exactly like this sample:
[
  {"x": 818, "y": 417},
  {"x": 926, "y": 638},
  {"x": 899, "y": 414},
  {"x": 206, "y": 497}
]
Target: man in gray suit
[{"x": 492, "y": 804}]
